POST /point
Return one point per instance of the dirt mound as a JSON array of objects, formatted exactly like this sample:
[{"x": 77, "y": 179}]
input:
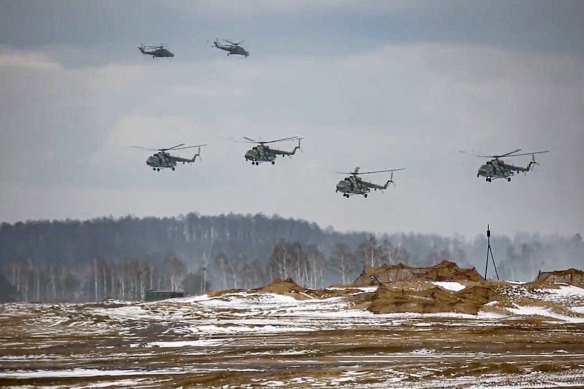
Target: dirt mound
[
  {"x": 286, "y": 287},
  {"x": 570, "y": 276},
  {"x": 432, "y": 299},
  {"x": 444, "y": 271}
]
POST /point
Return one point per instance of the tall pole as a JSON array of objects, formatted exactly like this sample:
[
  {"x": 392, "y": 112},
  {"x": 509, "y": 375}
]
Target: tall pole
[{"x": 490, "y": 250}]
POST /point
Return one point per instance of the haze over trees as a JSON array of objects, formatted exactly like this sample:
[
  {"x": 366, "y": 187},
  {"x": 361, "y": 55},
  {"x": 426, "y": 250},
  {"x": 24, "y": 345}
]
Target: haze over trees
[{"x": 122, "y": 258}]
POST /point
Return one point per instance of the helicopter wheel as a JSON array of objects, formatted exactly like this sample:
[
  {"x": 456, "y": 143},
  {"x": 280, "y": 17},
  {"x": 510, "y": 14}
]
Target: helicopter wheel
[
  {"x": 508, "y": 179},
  {"x": 154, "y": 168},
  {"x": 273, "y": 162},
  {"x": 172, "y": 169},
  {"x": 365, "y": 195}
]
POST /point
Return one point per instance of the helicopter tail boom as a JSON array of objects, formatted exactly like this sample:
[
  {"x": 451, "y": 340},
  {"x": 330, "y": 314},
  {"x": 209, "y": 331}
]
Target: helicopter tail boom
[{"x": 531, "y": 163}]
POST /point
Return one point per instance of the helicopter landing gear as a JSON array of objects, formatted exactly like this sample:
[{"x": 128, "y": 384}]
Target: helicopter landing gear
[
  {"x": 365, "y": 195},
  {"x": 488, "y": 180},
  {"x": 172, "y": 169},
  {"x": 508, "y": 179},
  {"x": 157, "y": 169}
]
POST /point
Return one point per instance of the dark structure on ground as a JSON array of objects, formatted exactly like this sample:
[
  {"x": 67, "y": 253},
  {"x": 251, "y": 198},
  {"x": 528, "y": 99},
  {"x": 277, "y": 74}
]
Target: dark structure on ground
[{"x": 155, "y": 295}]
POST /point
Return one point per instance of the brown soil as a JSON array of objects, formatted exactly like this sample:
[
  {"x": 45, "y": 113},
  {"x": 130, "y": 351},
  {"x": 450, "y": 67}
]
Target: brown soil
[
  {"x": 428, "y": 299},
  {"x": 290, "y": 288},
  {"x": 444, "y": 271},
  {"x": 570, "y": 276}
]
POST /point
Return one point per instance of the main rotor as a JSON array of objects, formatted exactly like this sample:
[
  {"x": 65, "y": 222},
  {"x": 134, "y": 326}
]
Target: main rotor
[
  {"x": 143, "y": 46},
  {"x": 356, "y": 172},
  {"x": 261, "y": 142},
  {"x": 177, "y": 147},
  {"x": 233, "y": 43},
  {"x": 512, "y": 154}
]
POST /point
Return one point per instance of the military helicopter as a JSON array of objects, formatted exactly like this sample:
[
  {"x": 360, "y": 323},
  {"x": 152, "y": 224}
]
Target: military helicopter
[
  {"x": 155, "y": 51},
  {"x": 162, "y": 159},
  {"x": 496, "y": 168},
  {"x": 231, "y": 47},
  {"x": 263, "y": 153},
  {"x": 354, "y": 185}
]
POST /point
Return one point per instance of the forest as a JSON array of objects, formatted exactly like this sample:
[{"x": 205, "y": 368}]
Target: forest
[{"x": 122, "y": 258}]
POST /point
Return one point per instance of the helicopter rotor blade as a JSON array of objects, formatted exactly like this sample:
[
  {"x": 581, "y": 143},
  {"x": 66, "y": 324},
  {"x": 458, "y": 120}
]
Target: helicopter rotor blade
[
  {"x": 281, "y": 140},
  {"x": 250, "y": 140},
  {"x": 172, "y": 148},
  {"x": 144, "y": 148},
  {"x": 499, "y": 156},
  {"x": 382, "y": 171},
  {"x": 189, "y": 147},
  {"x": 535, "y": 152}
]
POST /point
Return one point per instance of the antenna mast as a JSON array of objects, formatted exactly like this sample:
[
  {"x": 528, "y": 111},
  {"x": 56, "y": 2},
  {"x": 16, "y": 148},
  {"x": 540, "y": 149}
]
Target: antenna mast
[{"x": 489, "y": 250}]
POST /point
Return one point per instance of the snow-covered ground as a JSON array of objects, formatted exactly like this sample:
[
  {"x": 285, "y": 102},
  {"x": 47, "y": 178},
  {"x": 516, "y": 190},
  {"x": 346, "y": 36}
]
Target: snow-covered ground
[{"x": 269, "y": 340}]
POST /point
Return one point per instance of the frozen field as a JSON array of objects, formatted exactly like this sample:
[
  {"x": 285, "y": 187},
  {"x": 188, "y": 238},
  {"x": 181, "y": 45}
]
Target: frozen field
[{"x": 270, "y": 340}]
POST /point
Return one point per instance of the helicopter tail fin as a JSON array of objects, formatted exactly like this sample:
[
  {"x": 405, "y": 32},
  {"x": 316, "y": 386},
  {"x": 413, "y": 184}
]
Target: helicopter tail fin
[
  {"x": 197, "y": 155},
  {"x": 389, "y": 181},
  {"x": 297, "y": 147},
  {"x": 531, "y": 163},
  {"x": 141, "y": 48}
]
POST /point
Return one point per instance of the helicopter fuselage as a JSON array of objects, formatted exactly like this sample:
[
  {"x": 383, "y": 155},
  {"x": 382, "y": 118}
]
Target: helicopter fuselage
[
  {"x": 232, "y": 49},
  {"x": 262, "y": 153},
  {"x": 496, "y": 168},
  {"x": 161, "y": 161},
  {"x": 354, "y": 185},
  {"x": 158, "y": 53}
]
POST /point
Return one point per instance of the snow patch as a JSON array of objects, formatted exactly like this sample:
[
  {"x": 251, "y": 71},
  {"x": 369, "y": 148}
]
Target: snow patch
[
  {"x": 540, "y": 311},
  {"x": 189, "y": 343},
  {"x": 578, "y": 309},
  {"x": 453, "y": 286}
]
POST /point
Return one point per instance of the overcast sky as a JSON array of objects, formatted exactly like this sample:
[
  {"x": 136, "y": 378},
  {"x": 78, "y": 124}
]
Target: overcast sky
[{"x": 367, "y": 83}]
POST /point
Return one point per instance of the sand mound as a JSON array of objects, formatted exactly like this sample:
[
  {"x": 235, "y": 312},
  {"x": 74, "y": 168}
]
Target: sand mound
[
  {"x": 431, "y": 299},
  {"x": 444, "y": 271},
  {"x": 570, "y": 276},
  {"x": 288, "y": 287}
]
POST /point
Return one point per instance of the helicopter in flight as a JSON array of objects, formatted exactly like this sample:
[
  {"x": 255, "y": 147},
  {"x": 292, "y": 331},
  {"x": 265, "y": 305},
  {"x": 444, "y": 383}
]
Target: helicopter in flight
[
  {"x": 162, "y": 159},
  {"x": 155, "y": 51},
  {"x": 263, "y": 153},
  {"x": 231, "y": 47},
  {"x": 355, "y": 185},
  {"x": 496, "y": 168}
]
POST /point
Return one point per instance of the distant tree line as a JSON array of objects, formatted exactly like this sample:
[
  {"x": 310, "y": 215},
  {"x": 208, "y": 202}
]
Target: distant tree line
[{"x": 122, "y": 258}]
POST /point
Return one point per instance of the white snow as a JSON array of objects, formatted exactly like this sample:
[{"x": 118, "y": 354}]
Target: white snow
[
  {"x": 530, "y": 310},
  {"x": 578, "y": 309},
  {"x": 453, "y": 286},
  {"x": 190, "y": 343},
  {"x": 562, "y": 293}
]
